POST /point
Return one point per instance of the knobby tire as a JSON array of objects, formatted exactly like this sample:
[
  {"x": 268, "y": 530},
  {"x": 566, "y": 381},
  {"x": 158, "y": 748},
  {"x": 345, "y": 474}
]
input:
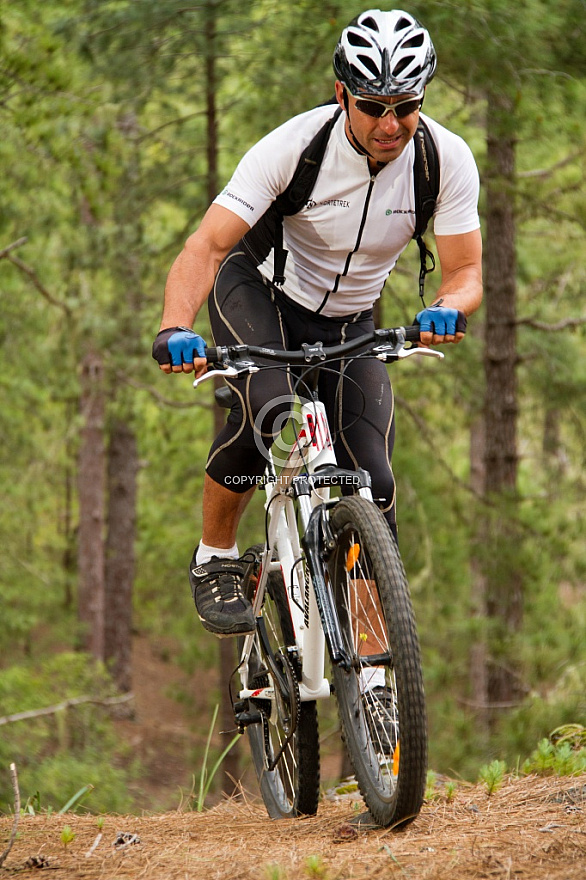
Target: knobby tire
[{"x": 390, "y": 762}]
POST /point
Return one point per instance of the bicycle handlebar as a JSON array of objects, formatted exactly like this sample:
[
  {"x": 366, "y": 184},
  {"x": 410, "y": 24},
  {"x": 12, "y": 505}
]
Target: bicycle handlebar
[
  {"x": 313, "y": 354},
  {"x": 389, "y": 344}
]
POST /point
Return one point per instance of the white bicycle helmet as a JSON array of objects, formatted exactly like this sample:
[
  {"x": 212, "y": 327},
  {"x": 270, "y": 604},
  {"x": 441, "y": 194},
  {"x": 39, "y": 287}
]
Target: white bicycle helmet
[{"x": 385, "y": 53}]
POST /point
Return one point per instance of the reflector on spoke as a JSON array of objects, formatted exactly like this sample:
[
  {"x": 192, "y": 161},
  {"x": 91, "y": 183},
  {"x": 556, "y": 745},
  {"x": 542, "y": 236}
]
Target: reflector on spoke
[
  {"x": 352, "y": 556},
  {"x": 396, "y": 756}
]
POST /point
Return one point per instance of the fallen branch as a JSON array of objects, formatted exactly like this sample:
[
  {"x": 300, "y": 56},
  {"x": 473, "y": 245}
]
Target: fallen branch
[
  {"x": 549, "y": 172},
  {"x": 30, "y": 272},
  {"x": 11, "y": 247},
  {"x": 66, "y": 704},
  {"x": 552, "y": 328},
  {"x": 94, "y": 846},
  {"x": 14, "y": 777},
  {"x": 160, "y": 398}
]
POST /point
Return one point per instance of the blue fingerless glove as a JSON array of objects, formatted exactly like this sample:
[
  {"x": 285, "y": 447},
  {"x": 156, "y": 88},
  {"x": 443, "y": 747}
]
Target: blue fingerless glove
[
  {"x": 177, "y": 346},
  {"x": 441, "y": 321}
]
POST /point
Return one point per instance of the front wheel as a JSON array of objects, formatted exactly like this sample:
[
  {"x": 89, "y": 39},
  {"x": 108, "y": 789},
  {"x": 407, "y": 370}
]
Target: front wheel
[
  {"x": 380, "y": 698},
  {"x": 287, "y": 726}
]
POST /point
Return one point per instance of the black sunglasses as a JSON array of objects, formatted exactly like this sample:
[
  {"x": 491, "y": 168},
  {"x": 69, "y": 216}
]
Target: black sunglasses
[{"x": 378, "y": 109}]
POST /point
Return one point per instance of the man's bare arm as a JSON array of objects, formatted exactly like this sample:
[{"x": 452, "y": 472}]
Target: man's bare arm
[
  {"x": 460, "y": 259},
  {"x": 192, "y": 275}
]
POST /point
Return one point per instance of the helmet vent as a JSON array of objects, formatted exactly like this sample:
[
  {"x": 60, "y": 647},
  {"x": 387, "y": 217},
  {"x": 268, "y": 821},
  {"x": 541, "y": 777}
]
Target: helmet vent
[
  {"x": 370, "y": 23},
  {"x": 369, "y": 64},
  {"x": 414, "y": 42},
  {"x": 356, "y": 40},
  {"x": 402, "y": 65},
  {"x": 385, "y": 53},
  {"x": 402, "y": 24}
]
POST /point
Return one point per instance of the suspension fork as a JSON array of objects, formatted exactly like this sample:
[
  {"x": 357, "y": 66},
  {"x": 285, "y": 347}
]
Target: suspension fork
[{"x": 317, "y": 541}]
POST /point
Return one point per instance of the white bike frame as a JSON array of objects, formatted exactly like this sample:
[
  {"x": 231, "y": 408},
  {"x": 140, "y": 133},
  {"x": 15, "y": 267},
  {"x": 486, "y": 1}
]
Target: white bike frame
[{"x": 312, "y": 449}]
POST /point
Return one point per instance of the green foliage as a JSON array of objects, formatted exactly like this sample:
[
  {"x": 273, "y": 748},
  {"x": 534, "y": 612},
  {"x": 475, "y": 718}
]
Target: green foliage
[
  {"x": 492, "y": 775},
  {"x": 564, "y": 704},
  {"x": 64, "y": 756},
  {"x": 273, "y": 871},
  {"x": 104, "y": 133},
  {"x": 573, "y": 735},
  {"x": 207, "y": 775},
  {"x": 77, "y": 798},
  {"x": 562, "y": 754},
  {"x": 434, "y": 789},
  {"x": 67, "y": 835},
  {"x": 315, "y": 867},
  {"x": 431, "y": 792},
  {"x": 450, "y": 789}
]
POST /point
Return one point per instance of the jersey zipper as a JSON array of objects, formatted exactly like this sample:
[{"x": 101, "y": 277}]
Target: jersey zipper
[{"x": 355, "y": 248}]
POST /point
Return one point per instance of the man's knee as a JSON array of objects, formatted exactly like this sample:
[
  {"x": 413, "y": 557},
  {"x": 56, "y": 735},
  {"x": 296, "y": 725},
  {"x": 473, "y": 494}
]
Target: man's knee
[{"x": 269, "y": 408}]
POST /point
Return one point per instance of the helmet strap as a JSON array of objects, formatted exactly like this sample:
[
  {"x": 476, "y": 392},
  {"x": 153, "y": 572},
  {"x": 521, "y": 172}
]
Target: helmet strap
[{"x": 355, "y": 142}]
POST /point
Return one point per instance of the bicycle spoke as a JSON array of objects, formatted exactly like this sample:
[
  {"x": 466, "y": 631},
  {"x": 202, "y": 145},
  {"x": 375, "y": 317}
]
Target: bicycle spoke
[{"x": 287, "y": 737}]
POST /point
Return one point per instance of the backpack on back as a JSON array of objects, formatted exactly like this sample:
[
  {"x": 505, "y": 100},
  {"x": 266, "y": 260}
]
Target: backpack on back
[{"x": 267, "y": 233}]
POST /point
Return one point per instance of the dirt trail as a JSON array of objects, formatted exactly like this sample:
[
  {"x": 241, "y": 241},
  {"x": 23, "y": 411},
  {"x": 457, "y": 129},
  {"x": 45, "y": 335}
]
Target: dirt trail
[{"x": 531, "y": 829}]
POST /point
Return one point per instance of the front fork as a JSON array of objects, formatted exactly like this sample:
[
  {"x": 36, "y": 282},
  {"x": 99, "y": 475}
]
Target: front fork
[{"x": 318, "y": 542}]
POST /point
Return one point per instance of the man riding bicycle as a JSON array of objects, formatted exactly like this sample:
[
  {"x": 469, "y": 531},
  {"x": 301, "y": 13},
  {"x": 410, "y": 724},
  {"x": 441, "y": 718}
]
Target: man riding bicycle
[{"x": 341, "y": 247}]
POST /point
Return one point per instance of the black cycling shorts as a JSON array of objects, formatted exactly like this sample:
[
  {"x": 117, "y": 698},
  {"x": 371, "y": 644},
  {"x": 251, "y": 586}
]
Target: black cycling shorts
[{"x": 357, "y": 394}]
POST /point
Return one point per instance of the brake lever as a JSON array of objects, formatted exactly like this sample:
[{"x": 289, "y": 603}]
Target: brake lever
[
  {"x": 230, "y": 371},
  {"x": 397, "y": 352},
  {"x": 426, "y": 352}
]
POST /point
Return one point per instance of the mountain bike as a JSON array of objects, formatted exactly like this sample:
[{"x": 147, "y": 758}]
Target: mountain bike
[{"x": 328, "y": 576}]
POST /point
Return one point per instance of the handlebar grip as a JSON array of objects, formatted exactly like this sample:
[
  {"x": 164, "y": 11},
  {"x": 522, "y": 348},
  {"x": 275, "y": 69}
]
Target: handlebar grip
[
  {"x": 412, "y": 333},
  {"x": 212, "y": 354}
]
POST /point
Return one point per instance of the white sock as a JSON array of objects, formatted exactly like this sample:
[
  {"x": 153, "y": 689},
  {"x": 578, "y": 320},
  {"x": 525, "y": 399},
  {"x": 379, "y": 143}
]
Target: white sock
[
  {"x": 372, "y": 677},
  {"x": 205, "y": 553}
]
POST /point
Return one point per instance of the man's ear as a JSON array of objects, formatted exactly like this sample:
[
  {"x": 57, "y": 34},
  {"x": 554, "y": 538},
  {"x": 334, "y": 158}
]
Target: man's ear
[{"x": 340, "y": 94}]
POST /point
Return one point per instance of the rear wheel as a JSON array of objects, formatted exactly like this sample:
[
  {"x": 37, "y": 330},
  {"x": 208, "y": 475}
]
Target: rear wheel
[
  {"x": 288, "y": 729},
  {"x": 380, "y": 699}
]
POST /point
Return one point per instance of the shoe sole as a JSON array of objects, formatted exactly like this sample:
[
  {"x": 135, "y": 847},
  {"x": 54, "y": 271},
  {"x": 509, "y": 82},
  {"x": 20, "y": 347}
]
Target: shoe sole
[{"x": 222, "y": 634}]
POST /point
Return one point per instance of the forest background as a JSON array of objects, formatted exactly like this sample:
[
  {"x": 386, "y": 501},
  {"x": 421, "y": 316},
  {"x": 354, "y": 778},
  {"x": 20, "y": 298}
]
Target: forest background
[{"x": 120, "y": 121}]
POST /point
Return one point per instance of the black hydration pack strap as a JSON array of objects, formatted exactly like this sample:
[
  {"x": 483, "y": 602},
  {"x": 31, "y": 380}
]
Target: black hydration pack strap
[
  {"x": 268, "y": 232},
  {"x": 426, "y": 180}
]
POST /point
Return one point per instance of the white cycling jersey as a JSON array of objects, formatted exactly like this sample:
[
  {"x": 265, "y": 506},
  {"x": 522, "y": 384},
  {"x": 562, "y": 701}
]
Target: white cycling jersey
[{"x": 348, "y": 237}]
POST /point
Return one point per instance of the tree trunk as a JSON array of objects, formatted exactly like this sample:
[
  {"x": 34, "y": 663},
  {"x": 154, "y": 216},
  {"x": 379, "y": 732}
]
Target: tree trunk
[
  {"x": 504, "y": 587},
  {"x": 478, "y": 658},
  {"x": 227, "y": 652},
  {"x": 553, "y": 449},
  {"x": 119, "y": 567},
  {"x": 69, "y": 528},
  {"x": 501, "y": 317},
  {"x": 91, "y": 482}
]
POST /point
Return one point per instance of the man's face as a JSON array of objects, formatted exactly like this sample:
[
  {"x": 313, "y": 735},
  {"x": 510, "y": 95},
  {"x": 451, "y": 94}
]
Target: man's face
[{"x": 384, "y": 138}]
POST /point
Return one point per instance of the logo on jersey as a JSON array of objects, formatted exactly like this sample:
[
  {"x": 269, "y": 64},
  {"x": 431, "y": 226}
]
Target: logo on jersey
[
  {"x": 390, "y": 211},
  {"x": 328, "y": 203}
]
